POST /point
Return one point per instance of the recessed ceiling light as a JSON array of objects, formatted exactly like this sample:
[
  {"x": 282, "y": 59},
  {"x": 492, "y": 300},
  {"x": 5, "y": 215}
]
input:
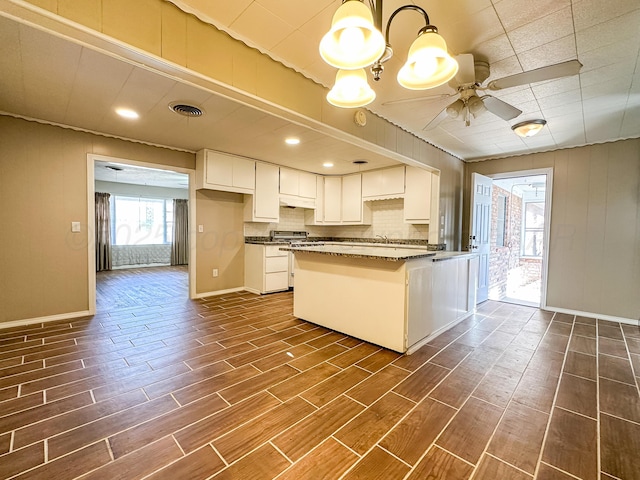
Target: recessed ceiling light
[
  {"x": 127, "y": 113},
  {"x": 292, "y": 141},
  {"x": 327, "y": 164}
]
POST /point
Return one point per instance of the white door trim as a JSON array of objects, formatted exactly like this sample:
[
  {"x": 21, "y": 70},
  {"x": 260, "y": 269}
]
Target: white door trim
[
  {"x": 91, "y": 213},
  {"x": 547, "y": 220}
]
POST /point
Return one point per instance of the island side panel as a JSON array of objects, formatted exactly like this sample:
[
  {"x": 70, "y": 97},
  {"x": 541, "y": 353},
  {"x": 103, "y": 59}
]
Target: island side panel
[{"x": 364, "y": 298}]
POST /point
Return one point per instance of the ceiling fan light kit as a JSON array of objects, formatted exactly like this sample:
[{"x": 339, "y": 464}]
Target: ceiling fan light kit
[
  {"x": 355, "y": 41},
  {"x": 528, "y": 128}
]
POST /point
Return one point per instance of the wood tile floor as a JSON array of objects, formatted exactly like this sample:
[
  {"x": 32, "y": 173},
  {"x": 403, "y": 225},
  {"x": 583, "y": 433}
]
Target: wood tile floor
[{"x": 236, "y": 387}]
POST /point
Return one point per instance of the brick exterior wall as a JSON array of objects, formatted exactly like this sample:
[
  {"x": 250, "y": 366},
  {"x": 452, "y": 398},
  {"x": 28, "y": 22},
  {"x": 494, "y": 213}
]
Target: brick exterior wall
[{"x": 507, "y": 257}]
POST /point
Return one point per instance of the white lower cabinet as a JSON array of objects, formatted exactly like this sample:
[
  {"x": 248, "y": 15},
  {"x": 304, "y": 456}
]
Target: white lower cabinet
[
  {"x": 440, "y": 294},
  {"x": 266, "y": 268}
]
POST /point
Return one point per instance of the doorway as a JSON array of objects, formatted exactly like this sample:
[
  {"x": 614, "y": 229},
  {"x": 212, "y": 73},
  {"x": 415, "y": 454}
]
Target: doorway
[
  {"x": 520, "y": 208},
  {"x": 141, "y": 202}
]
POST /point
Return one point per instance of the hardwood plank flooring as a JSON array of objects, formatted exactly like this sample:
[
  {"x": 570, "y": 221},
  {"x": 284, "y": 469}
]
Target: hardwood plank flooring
[{"x": 157, "y": 386}]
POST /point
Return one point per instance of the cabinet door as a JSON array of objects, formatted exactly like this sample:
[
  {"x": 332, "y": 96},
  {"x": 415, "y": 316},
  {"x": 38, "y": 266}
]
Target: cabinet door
[
  {"x": 307, "y": 185},
  {"x": 332, "y": 199},
  {"x": 392, "y": 181},
  {"x": 274, "y": 282},
  {"x": 266, "y": 203},
  {"x": 289, "y": 180},
  {"x": 352, "y": 198},
  {"x": 244, "y": 173},
  {"x": 219, "y": 169},
  {"x": 417, "y": 196},
  {"x": 372, "y": 183}
]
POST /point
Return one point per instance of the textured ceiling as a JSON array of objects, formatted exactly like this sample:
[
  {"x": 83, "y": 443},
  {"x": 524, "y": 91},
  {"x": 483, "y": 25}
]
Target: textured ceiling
[
  {"x": 600, "y": 104},
  {"x": 52, "y": 78}
]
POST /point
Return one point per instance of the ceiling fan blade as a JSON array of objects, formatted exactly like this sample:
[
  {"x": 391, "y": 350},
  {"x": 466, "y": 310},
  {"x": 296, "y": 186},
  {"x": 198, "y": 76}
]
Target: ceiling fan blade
[
  {"x": 466, "y": 69},
  {"x": 436, "y": 120},
  {"x": 420, "y": 99},
  {"x": 500, "y": 108},
  {"x": 564, "y": 69}
]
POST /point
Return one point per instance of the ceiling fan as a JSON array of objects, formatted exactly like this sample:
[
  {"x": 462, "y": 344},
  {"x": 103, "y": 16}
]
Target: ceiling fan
[{"x": 468, "y": 82}]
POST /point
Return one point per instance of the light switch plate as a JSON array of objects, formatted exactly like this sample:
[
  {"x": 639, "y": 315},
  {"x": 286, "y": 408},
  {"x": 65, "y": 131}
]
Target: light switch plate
[
  {"x": 75, "y": 227},
  {"x": 200, "y": 228}
]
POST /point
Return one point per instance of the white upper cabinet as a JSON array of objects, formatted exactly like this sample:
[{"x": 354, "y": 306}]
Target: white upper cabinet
[
  {"x": 307, "y": 185},
  {"x": 221, "y": 171},
  {"x": 289, "y": 181},
  {"x": 421, "y": 186},
  {"x": 332, "y": 199},
  {"x": 339, "y": 202},
  {"x": 383, "y": 184},
  {"x": 264, "y": 204},
  {"x": 297, "y": 183},
  {"x": 352, "y": 198},
  {"x": 297, "y": 189}
]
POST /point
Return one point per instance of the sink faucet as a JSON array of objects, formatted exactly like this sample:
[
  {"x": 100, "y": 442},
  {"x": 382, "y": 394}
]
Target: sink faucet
[{"x": 384, "y": 238}]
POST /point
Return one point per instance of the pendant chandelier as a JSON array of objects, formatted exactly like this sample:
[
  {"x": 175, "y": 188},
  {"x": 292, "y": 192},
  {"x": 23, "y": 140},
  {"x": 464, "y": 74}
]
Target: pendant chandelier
[{"x": 355, "y": 41}]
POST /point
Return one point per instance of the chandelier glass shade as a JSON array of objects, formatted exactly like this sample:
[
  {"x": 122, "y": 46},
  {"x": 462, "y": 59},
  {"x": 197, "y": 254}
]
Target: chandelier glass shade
[
  {"x": 351, "y": 89},
  {"x": 353, "y": 41},
  {"x": 428, "y": 65}
]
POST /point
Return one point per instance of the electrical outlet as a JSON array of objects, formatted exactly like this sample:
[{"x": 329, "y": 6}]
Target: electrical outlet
[{"x": 215, "y": 272}]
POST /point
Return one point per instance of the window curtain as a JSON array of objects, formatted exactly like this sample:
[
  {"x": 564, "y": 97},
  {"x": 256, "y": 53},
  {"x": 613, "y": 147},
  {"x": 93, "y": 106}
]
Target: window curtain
[
  {"x": 180, "y": 245},
  {"x": 103, "y": 232}
]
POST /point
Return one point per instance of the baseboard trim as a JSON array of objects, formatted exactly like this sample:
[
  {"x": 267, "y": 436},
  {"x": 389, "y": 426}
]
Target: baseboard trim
[
  {"x": 49, "y": 318},
  {"x": 219, "y": 292},
  {"x": 599, "y": 316}
]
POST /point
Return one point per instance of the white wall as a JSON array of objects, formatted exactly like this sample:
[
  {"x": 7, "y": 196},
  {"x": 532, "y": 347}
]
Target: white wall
[{"x": 594, "y": 251}]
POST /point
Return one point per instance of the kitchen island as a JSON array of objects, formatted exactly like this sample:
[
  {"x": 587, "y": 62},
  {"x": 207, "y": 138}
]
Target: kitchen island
[{"x": 395, "y": 296}]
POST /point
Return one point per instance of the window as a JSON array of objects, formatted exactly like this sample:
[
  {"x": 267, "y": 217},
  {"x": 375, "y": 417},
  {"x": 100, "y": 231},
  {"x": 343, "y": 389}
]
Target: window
[
  {"x": 533, "y": 229},
  {"x": 141, "y": 221},
  {"x": 501, "y": 216}
]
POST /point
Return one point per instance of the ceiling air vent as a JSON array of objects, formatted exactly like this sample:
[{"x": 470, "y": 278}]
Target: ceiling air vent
[
  {"x": 360, "y": 162},
  {"x": 185, "y": 110}
]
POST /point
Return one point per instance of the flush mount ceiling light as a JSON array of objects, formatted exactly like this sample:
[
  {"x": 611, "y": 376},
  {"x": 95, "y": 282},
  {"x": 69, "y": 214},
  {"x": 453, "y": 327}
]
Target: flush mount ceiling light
[
  {"x": 353, "y": 42},
  {"x": 528, "y": 128},
  {"x": 127, "y": 113},
  {"x": 292, "y": 141},
  {"x": 327, "y": 164}
]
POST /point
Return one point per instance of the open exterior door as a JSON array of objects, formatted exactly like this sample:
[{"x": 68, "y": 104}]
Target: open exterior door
[{"x": 480, "y": 228}]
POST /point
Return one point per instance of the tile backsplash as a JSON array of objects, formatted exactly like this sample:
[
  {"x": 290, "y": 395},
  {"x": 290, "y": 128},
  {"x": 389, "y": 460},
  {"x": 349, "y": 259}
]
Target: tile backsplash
[{"x": 386, "y": 219}]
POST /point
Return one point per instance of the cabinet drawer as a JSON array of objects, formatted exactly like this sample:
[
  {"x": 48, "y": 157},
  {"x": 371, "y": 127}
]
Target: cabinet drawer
[
  {"x": 276, "y": 264},
  {"x": 274, "y": 251},
  {"x": 276, "y": 281}
]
